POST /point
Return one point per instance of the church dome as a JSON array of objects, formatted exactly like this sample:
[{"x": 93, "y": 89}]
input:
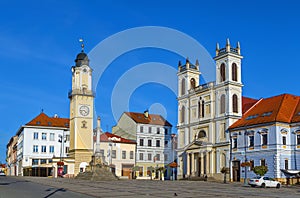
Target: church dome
[
  {"x": 81, "y": 59},
  {"x": 81, "y": 56}
]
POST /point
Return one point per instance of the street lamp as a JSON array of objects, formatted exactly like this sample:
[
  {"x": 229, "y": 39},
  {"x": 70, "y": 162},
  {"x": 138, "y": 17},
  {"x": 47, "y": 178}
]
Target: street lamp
[
  {"x": 173, "y": 153},
  {"x": 61, "y": 140},
  {"x": 245, "y": 179}
]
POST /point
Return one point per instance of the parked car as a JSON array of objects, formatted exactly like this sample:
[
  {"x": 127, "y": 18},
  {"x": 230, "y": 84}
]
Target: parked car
[
  {"x": 2, "y": 173},
  {"x": 264, "y": 182}
]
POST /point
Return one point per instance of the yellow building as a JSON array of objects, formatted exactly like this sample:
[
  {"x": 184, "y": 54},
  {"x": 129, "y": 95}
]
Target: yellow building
[{"x": 81, "y": 113}]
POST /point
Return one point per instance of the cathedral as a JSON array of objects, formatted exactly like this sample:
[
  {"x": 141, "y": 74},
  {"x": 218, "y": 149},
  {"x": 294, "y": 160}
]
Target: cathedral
[{"x": 205, "y": 111}]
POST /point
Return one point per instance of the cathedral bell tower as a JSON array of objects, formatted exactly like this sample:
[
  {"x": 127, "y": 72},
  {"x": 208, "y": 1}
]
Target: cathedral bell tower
[
  {"x": 229, "y": 82},
  {"x": 81, "y": 112}
]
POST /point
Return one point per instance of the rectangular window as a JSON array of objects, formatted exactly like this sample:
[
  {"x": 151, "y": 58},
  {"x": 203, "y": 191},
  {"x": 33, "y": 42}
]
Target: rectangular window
[
  {"x": 131, "y": 154},
  {"x": 166, "y": 157},
  {"x": 150, "y": 130},
  {"x": 43, "y": 161},
  {"x": 166, "y": 131},
  {"x": 141, "y": 156},
  {"x": 114, "y": 154},
  {"x": 67, "y": 149},
  {"x": 123, "y": 154},
  {"x": 35, "y": 148},
  {"x": 265, "y": 139},
  {"x": 286, "y": 164},
  {"x": 166, "y": 143},
  {"x": 52, "y": 136},
  {"x": 35, "y": 162},
  {"x": 298, "y": 139},
  {"x": 283, "y": 140},
  {"x": 35, "y": 135},
  {"x": 67, "y": 137},
  {"x": 149, "y": 157},
  {"x": 251, "y": 141},
  {"x": 157, "y": 130},
  {"x": 141, "y": 142},
  {"x": 44, "y": 149},
  {"x": 263, "y": 162},
  {"x": 234, "y": 143},
  {"x": 251, "y": 164},
  {"x": 141, "y": 129},
  {"x": 157, "y": 143},
  {"x": 149, "y": 142},
  {"x": 44, "y": 136},
  {"x": 158, "y": 157},
  {"x": 51, "y": 149}
]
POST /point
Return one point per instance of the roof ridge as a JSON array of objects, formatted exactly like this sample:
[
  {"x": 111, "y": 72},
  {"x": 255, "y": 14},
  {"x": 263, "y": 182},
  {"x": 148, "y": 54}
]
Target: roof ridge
[
  {"x": 256, "y": 103},
  {"x": 284, "y": 97}
]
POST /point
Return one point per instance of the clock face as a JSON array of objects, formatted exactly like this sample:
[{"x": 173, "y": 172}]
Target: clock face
[{"x": 84, "y": 110}]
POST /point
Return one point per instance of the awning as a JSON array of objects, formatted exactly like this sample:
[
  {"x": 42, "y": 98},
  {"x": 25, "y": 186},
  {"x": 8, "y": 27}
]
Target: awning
[{"x": 291, "y": 172}]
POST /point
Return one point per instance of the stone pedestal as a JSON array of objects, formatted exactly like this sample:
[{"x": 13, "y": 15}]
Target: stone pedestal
[{"x": 98, "y": 170}]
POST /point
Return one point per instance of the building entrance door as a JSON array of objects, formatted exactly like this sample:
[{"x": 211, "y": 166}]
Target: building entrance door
[{"x": 236, "y": 171}]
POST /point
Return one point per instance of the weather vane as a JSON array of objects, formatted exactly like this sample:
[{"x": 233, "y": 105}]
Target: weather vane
[{"x": 82, "y": 44}]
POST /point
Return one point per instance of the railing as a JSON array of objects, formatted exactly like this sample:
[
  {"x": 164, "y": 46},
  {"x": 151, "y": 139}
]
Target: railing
[{"x": 81, "y": 92}]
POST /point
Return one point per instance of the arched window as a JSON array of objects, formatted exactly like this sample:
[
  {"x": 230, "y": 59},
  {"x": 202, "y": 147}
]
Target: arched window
[
  {"x": 234, "y": 72},
  {"x": 199, "y": 109},
  {"x": 202, "y": 109},
  {"x": 182, "y": 86},
  {"x": 222, "y": 104},
  {"x": 202, "y": 134},
  {"x": 193, "y": 83},
  {"x": 182, "y": 114},
  {"x": 235, "y": 103},
  {"x": 222, "y": 72}
]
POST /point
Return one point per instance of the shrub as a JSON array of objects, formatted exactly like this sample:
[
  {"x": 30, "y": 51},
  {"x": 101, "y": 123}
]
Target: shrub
[{"x": 260, "y": 170}]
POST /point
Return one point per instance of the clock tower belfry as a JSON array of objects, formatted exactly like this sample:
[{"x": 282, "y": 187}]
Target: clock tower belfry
[{"x": 81, "y": 113}]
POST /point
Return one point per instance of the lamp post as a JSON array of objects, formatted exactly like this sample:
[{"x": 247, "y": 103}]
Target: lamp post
[
  {"x": 61, "y": 141},
  {"x": 245, "y": 179},
  {"x": 173, "y": 153}
]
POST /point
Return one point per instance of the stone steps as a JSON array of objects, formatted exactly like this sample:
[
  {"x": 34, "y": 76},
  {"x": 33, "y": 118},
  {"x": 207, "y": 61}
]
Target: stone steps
[{"x": 98, "y": 174}]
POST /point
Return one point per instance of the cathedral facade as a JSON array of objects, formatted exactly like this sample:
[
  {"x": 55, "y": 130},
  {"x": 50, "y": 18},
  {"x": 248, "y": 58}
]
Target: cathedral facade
[{"x": 205, "y": 111}]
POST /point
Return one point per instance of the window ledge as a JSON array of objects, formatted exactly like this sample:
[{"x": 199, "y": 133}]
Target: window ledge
[{"x": 264, "y": 146}]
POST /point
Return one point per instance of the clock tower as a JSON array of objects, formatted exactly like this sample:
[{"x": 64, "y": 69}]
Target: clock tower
[{"x": 81, "y": 113}]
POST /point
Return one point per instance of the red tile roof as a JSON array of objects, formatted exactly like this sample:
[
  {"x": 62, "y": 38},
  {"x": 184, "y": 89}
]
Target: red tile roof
[
  {"x": 151, "y": 119},
  {"x": 281, "y": 108},
  {"x": 109, "y": 137},
  {"x": 43, "y": 120},
  {"x": 247, "y": 103}
]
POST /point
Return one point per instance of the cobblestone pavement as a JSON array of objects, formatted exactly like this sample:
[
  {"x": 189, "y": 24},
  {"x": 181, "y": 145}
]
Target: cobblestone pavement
[{"x": 147, "y": 188}]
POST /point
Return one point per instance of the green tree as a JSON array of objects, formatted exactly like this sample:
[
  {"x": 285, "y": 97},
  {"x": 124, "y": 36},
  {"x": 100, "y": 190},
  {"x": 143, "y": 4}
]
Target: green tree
[{"x": 260, "y": 170}]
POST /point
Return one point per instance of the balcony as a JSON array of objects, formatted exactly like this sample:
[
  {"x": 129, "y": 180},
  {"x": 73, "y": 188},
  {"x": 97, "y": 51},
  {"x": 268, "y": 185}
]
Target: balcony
[{"x": 81, "y": 92}]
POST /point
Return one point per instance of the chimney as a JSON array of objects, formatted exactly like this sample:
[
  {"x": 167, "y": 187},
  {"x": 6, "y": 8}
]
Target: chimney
[{"x": 146, "y": 113}]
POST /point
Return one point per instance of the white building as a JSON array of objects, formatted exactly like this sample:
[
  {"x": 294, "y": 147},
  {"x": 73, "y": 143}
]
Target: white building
[
  {"x": 154, "y": 144},
  {"x": 118, "y": 152},
  {"x": 205, "y": 111},
  {"x": 40, "y": 140},
  {"x": 268, "y": 134}
]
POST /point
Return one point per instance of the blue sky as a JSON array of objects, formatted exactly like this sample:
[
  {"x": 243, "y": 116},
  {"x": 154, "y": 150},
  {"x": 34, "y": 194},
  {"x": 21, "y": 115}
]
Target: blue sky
[{"x": 39, "y": 42}]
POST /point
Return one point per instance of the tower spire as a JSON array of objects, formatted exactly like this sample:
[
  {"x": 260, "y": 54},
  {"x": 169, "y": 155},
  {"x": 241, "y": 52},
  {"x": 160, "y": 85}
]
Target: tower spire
[
  {"x": 238, "y": 47},
  {"x": 217, "y": 49}
]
